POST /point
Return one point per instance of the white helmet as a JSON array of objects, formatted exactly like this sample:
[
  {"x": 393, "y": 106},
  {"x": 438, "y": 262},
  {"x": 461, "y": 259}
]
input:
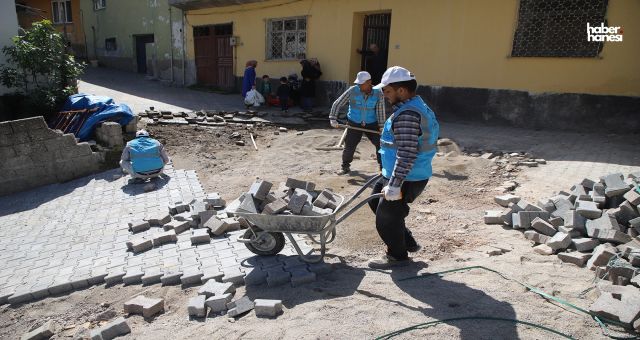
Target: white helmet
[{"x": 142, "y": 133}]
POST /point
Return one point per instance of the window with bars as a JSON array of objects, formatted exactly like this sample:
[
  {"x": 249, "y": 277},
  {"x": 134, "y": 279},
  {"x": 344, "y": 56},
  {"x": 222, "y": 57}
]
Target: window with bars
[
  {"x": 99, "y": 4},
  {"x": 553, "y": 28},
  {"x": 61, "y": 10},
  {"x": 287, "y": 38},
  {"x": 110, "y": 44}
]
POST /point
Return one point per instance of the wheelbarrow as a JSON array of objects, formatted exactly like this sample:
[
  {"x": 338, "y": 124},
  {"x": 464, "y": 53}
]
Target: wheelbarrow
[{"x": 266, "y": 234}]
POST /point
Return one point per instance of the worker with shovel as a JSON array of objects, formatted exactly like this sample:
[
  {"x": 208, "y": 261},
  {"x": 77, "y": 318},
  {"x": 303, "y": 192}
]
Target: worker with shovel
[
  {"x": 143, "y": 158},
  {"x": 407, "y": 146},
  {"x": 365, "y": 115}
]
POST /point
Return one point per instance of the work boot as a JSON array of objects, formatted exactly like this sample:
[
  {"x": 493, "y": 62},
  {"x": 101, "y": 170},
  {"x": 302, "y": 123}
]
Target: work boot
[
  {"x": 414, "y": 248},
  {"x": 388, "y": 261},
  {"x": 344, "y": 171}
]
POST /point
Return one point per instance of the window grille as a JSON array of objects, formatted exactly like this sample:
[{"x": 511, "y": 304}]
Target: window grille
[{"x": 287, "y": 38}]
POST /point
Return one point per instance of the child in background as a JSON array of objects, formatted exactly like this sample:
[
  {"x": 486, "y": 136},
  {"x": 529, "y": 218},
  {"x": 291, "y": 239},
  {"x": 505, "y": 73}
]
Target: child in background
[
  {"x": 283, "y": 94},
  {"x": 265, "y": 87}
]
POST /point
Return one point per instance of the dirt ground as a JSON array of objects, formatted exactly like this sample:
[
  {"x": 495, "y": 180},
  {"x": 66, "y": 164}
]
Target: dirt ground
[{"x": 352, "y": 302}]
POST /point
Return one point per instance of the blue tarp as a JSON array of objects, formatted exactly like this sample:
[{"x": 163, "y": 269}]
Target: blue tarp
[{"x": 106, "y": 110}]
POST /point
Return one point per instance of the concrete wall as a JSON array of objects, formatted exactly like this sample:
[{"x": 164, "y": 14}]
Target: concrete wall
[
  {"x": 8, "y": 30},
  {"x": 34, "y": 155},
  {"x": 74, "y": 30},
  {"x": 457, "y": 43},
  {"x": 124, "y": 20}
]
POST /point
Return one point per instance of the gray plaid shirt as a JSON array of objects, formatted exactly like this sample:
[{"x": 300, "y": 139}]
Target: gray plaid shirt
[
  {"x": 406, "y": 131},
  {"x": 344, "y": 99}
]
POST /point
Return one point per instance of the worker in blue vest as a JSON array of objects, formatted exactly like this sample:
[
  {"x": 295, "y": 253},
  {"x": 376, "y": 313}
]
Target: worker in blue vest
[
  {"x": 366, "y": 110},
  {"x": 143, "y": 157},
  {"x": 407, "y": 146}
]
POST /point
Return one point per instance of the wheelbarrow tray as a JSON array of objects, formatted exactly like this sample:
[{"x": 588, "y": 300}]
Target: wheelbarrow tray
[{"x": 292, "y": 223}]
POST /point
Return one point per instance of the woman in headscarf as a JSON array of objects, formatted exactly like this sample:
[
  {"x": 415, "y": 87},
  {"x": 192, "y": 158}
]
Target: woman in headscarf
[{"x": 249, "y": 79}]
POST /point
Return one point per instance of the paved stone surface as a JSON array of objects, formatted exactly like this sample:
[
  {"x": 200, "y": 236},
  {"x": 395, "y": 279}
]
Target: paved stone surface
[{"x": 86, "y": 223}]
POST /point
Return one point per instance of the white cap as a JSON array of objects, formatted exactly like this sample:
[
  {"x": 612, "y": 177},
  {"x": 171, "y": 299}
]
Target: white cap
[
  {"x": 394, "y": 74},
  {"x": 361, "y": 77},
  {"x": 142, "y": 133}
]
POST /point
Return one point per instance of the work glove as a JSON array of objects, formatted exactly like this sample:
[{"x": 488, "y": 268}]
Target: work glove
[
  {"x": 334, "y": 123},
  {"x": 392, "y": 193}
]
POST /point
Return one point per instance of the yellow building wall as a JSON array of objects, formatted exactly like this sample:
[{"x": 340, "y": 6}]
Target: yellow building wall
[
  {"x": 458, "y": 43},
  {"x": 74, "y": 29}
]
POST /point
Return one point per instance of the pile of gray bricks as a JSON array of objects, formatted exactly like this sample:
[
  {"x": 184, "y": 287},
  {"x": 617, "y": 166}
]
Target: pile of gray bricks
[
  {"x": 34, "y": 155},
  {"x": 595, "y": 224},
  {"x": 293, "y": 197},
  {"x": 205, "y": 118}
]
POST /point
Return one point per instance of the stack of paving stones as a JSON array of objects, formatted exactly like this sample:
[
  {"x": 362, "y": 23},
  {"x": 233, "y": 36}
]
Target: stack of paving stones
[
  {"x": 205, "y": 118},
  {"x": 293, "y": 197},
  {"x": 595, "y": 224}
]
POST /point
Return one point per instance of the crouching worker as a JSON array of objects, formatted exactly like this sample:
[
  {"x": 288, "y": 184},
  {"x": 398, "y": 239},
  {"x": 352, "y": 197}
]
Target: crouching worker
[{"x": 143, "y": 157}]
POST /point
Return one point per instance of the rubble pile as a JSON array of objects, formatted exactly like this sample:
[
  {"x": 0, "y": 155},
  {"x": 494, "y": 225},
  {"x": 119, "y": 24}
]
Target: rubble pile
[
  {"x": 293, "y": 197},
  {"x": 206, "y": 118},
  {"x": 596, "y": 224},
  {"x": 508, "y": 164}
]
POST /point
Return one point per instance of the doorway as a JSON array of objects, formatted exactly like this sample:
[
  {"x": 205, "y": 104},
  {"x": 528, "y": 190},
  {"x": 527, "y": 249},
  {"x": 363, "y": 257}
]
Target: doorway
[
  {"x": 141, "y": 51},
  {"x": 375, "y": 31},
  {"x": 214, "y": 55}
]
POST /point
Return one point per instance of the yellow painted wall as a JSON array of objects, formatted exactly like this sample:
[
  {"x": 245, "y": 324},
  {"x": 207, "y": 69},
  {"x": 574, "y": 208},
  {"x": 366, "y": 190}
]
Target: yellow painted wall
[
  {"x": 459, "y": 43},
  {"x": 74, "y": 29}
]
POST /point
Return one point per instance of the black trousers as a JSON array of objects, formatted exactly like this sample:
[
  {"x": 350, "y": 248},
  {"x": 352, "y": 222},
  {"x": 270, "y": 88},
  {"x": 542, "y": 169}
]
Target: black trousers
[
  {"x": 352, "y": 139},
  {"x": 390, "y": 217}
]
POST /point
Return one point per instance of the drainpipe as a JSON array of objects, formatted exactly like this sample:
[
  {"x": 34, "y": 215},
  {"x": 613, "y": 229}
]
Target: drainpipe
[
  {"x": 171, "y": 43},
  {"x": 84, "y": 34},
  {"x": 184, "y": 54}
]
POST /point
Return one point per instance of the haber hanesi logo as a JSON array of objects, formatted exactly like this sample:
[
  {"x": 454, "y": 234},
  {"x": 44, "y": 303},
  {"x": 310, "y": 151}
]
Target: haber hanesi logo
[{"x": 604, "y": 33}]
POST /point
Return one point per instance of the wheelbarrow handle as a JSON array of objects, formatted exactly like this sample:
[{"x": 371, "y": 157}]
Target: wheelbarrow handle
[
  {"x": 357, "y": 193},
  {"x": 358, "y": 206}
]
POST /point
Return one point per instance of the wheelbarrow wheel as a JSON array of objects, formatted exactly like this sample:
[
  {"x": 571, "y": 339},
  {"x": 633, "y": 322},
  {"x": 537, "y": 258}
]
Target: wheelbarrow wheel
[{"x": 264, "y": 242}]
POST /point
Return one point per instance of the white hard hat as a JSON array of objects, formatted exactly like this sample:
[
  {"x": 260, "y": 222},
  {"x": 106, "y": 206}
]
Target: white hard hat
[
  {"x": 361, "y": 77},
  {"x": 142, "y": 133},
  {"x": 394, "y": 74}
]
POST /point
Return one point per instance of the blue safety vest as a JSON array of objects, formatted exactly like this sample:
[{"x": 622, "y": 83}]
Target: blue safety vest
[
  {"x": 361, "y": 110},
  {"x": 144, "y": 153},
  {"x": 426, "y": 143}
]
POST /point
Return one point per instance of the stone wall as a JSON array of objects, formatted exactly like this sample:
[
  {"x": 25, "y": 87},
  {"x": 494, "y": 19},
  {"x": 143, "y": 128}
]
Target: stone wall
[{"x": 33, "y": 155}]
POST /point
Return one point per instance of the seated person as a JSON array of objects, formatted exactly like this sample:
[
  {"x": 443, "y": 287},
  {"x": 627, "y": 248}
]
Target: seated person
[{"x": 143, "y": 157}]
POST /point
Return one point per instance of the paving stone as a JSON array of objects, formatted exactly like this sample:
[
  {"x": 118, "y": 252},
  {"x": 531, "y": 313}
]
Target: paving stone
[
  {"x": 526, "y": 206},
  {"x": 605, "y": 221},
  {"x": 170, "y": 278},
  {"x": 141, "y": 245},
  {"x": 267, "y": 308},
  {"x": 218, "y": 303},
  {"x": 233, "y": 275},
  {"x": 526, "y": 217},
  {"x": 556, "y": 221},
  {"x": 633, "y": 197},
  {"x": 197, "y": 307},
  {"x": 211, "y": 288},
  {"x": 623, "y": 307},
  {"x": 574, "y": 220},
  {"x": 151, "y": 277},
  {"x": 320, "y": 268},
  {"x": 504, "y": 200},
  {"x": 610, "y": 235},
  {"x": 239, "y": 306},
  {"x": 508, "y": 213},
  {"x": 214, "y": 200},
  {"x": 588, "y": 209},
  {"x": 559, "y": 241},
  {"x": 543, "y": 227},
  {"x": 114, "y": 277},
  {"x": 615, "y": 185},
  {"x": 584, "y": 244},
  {"x": 543, "y": 249},
  {"x": 601, "y": 256},
  {"x": 58, "y": 288},
  {"x": 260, "y": 188},
  {"x": 212, "y": 274},
  {"x": 493, "y": 217},
  {"x": 300, "y": 277},
  {"x": 158, "y": 219},
  {"x": 165, "y": 237},
  {"x": 624, "y": 269},
  {"x": 626, "y": 212},
  {"x": 248, "y": 204},
  {"x": 577, "y": 258},
  {"x": 45, "y": 331},
  {"x": 117, "y": 327},
  {"x": 562, "y": 206},
  {"x": 232, "y": 224},
  {"x": 139, "y": 226},
  {"x": 147, "y": 307},
  {"x": 200, "y": 236},
  {"x": 217, "y": 226},
  {"x": 191, "y": 277},
  {"x": 598, "y": 194},
  {"x": 255, "y": 277},
  {"x": 536, "y": 236},
  {"x": 277, "y": 277},
  {"x": 298, "y": 184},
  {"x": 133, "y": 276},
  {"x": 177, "y": 226},
  {"x": 275, "y": 207}
]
